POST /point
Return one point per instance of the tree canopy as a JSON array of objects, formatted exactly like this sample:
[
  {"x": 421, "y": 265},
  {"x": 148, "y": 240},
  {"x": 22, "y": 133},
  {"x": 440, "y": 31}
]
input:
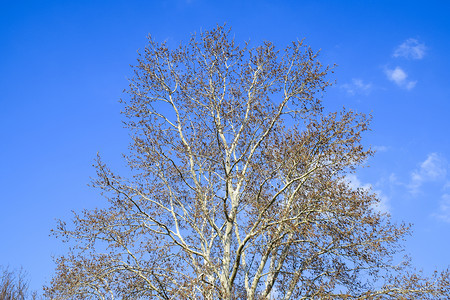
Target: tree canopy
[{"x": 238, "y": 188}]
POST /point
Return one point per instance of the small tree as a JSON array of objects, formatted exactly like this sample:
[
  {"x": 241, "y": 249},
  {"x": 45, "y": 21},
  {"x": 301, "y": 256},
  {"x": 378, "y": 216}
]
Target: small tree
[
  {"x": 14, "y": 285},
  {"x": 238, "y": 188}
]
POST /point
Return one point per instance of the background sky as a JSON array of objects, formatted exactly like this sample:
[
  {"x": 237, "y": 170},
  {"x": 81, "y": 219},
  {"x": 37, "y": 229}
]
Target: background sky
[{"x": 64, "y": 65}]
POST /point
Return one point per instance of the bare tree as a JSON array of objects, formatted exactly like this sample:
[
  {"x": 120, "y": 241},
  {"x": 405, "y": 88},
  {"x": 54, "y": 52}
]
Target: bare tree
[
  {"x": 14, "y": 285},
  {"x": 238, "y": 188}
]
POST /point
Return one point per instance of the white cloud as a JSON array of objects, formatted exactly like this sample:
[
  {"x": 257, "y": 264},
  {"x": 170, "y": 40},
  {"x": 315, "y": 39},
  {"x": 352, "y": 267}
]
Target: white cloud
[
  {"x": 393, "y": 179},
  {"x": 410, "y": 85},
  {"x": 444, "y": 208},
  {"x": 380, "y": 148},
  {"x": 411, "y": 49},
  {"x": 447, "y": 185},
  {"x": 382, "y": 206},
  {"x": 434, "y": 168},
  {"x": 354, "y": 182},
  {"x": 399, "y": 77},
  {"x": 357, "y": 86}
]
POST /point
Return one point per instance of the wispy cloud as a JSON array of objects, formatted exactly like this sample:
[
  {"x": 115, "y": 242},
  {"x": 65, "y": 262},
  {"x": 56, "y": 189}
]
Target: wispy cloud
[
  {"x": 357, "y": 86},
  {"x": 434, "y": 168},
  {"x": 383, "y": 205},
  {"x": 447, "y": 185},
  {"x": 354, "y": 182},
  {"x": 410, "y": 49},
  {"x": 399, "y": 77},
  {"x": 444, "y": 208},
  {"x": 380, "y": 148},
  {"x": 393, "y": 179}
]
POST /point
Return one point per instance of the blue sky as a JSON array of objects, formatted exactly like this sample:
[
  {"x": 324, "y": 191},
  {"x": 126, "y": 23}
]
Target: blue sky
[{"x": 64, "y": 64}]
